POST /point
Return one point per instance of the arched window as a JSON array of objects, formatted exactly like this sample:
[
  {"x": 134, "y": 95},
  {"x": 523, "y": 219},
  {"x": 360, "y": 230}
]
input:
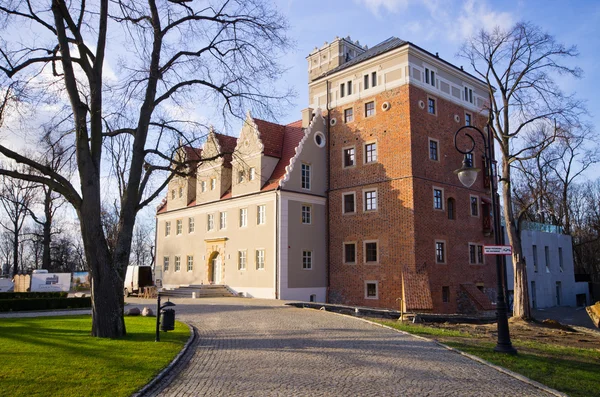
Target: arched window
[{"x": 451, "y": 208}]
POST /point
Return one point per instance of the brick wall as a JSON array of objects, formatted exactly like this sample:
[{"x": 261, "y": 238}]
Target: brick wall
[{"x": 405, "y": 225}]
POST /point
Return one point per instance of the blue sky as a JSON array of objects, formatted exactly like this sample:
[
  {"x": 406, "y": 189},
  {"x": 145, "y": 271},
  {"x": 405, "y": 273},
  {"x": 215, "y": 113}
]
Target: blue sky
[{"x": 439, "y": 26}]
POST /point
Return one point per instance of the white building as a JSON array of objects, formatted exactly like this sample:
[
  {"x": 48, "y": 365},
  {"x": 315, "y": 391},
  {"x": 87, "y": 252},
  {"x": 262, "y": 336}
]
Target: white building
[{"x": 550, "y": 270}]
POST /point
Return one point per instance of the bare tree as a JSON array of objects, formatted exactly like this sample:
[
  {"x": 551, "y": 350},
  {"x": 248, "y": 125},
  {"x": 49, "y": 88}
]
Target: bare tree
[
  {"x": 519, "y": 66},
  {"x": 172, "y": 54},
  {"x": 16, "y": 198}
]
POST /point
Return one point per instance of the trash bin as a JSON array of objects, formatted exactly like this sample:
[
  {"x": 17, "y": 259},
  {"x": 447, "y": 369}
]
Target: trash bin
[{"x": 168, "y": 320}]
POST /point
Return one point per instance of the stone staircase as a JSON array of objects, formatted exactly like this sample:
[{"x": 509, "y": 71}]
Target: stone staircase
[{"x": 200, "y": 291}]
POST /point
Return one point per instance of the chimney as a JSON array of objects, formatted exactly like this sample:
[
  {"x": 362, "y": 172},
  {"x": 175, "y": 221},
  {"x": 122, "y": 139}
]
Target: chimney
[{"x": 307, "y": 115}]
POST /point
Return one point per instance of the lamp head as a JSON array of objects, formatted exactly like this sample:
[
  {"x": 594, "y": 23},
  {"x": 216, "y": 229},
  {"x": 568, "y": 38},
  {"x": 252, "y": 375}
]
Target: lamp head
[{"x": 467, "y": 174}]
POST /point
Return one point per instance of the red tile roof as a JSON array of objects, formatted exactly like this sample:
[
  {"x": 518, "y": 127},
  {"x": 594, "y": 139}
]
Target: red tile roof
[
  {"x": 292, "y": 137},
  {"x": 228, "y": 144},
  {"x": 271, "y": 136},
  {"x": 192, "y": 154}
]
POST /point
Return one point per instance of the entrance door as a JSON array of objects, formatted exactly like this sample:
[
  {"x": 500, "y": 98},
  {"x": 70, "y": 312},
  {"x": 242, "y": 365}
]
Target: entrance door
[{"x": 216, "y": 270}]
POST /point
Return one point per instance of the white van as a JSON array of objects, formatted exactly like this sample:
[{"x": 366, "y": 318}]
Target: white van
[{"x": 136, "y": 278}]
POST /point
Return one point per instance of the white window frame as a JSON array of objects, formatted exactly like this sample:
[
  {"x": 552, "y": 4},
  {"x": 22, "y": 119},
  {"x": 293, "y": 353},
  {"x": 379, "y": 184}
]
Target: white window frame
[
  {"x": 367, "y": 282},
  {"x": 252, "y": 174},
  {"x": 177, "y": 263},
  {"x": 470, "y": 116},
  {"x": 167, "y": 228},
  {"x": 190, "y": 263},
  {"x": 242, "y": 259},
  {"x": 222, "y": 220},
  {"x": 166, "y": 261},
  {"x": 202, "y": 186},
  {"x": 243, "y": 217},
  {"x": 210, "y": 222},
  {"x": 179, "y": 227},
  {"x": 307, "y": 265},
  {"x": 366, "y": 111},
  {"x": 261, "y": 214},
  {"x": 260, "y": 259},
  {"x": 305, "y": 181},
  {"x": 213, "y": 183},
  {"x": 365, "y": 191},
  {"x": 351, "y": 118},
  {"x": 306, "y": 214},
  {"x": 180, "y": 191},
  {"x": 344, "y": 203},
  {"x": 191, "y": 224}
]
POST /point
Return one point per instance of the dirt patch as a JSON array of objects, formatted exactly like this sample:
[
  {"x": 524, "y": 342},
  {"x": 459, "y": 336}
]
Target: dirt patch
[{"x": 547, "y": 331}]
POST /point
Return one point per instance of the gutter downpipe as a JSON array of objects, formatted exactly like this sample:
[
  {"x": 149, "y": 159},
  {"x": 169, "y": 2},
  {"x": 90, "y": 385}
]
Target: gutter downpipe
[
  {"x": 277, "y": 243},
  {"x": 328, "y": 173}
]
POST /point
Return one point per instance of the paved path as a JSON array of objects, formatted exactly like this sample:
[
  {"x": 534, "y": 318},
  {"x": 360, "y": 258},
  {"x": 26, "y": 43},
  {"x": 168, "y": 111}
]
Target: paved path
[{"x": 249, "y": 347}]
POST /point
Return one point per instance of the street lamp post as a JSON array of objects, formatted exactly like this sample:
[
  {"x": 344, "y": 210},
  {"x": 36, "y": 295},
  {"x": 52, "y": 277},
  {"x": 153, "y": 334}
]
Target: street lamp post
[{"x": 467, "y": 175}]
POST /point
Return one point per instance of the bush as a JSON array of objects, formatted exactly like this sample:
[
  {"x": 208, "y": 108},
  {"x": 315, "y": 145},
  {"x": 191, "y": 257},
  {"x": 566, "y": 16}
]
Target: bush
[
  {"x": 7, "y": 305},
  {"x": 32, "y": 295}
]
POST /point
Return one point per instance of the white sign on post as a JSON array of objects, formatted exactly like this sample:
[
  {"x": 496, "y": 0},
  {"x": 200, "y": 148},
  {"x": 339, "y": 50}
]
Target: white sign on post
[
  {"x": 50, "y": 282},
  {"x": 497, "y": 250}
]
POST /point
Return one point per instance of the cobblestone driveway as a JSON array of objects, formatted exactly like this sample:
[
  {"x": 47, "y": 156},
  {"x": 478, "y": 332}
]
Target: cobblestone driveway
[{"x": 256, "y": 348}]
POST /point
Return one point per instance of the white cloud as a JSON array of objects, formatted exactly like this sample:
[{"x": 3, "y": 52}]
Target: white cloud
[
  {"x": 389, "y": 5},
  {"x": 476, "y": 15}
]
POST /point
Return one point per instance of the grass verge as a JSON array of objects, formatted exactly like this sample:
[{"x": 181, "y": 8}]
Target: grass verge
[
  {"x": 55, "y": 356},
  {"x": 573, "y": 371}
]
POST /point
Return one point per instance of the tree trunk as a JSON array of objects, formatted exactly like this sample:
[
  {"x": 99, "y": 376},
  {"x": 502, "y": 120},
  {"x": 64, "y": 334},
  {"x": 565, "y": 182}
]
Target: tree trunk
[
  {"x": 16, "y": 251},
  {"x": 47, "y": 229},
  {"x": 107, "y": 283}
]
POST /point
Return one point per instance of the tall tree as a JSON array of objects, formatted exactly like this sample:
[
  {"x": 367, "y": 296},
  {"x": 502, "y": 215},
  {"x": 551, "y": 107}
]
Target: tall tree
[
  {"x": 16, "y": 198},
  {"x": 132, "y": 68},
  {"x": 519, "y": 66}
]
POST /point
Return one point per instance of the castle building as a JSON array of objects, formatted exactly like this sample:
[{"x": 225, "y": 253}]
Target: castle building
[{"x": 390, "y": 224}]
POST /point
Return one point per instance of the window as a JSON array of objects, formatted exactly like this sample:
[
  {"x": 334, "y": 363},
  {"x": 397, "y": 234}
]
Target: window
[
  {"x": 261, "y": 214},
  {"x": 369, "y": 109},
  {"x": 431, "y": 105},
  {"x": 243, "y": 217},
  {"x": 366, "y": 82},
  {"x": 240, "y": 176},
  {"x": 533, "y": 296},
  {"x": 179, "y": 226},
  {"x": 467, "y": 119},
  {"x": 349, "y": 158},
  {"x": 438, "y": 199},
  {"x": 213, "y": 183},
  {"x": 349, "y": 252},
  {"x": 203, "y": 186},
  {"x": 349, "y": 206},
  {"x": 547, "y": 258},
  {"x": 560, "y": 258},
  {"x": 222, "y": 220},
  {"x": 430, "y": 77},
  {"x": 370, "y": 200},
  {"x": 190, "y": 263},
  {"x": 305, "y": 176},
  {"x": 191, "y": 225},
  {"x": 177, "y": 263},
  {"x": 371, "y": 252},
  {"x": 252, "y": 174},
  {"x": 474, "y": 206},
  {"x": 440, "y": 252},
  {"x": 535, "y": 259},
  {"x": 241, "y": 260},
  {"x": 167, "y": 228},
  {"x": 349, "y": 85},
  {"x": 260, "y": 259},
  {"x": 166, "y": 263},
  {"x": 210, "y": 222},
  {"x": 433, "y": 150},
  {"x": 450, "y": 207},
  {"x": 475, "y": 254},
  {"x": 373, "y": 79},
  {"x": 445, "y": 294},
  {"x": 468, "y": 95},
  {"x": 371, "y": 290},
  {"x": 348, "y": 115},
  {"x": 342, "y": 93},
  {"x": 180, "y": 192},
  {"x": 306, "y": 214},
  {"x": 173, "y": 194},
  {"x": 370, "y": 152},
  {"x": 306, "y": 260}
]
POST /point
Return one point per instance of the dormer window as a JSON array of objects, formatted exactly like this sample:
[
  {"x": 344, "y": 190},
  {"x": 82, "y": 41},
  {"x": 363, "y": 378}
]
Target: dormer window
[
  {"x": 180, "y": 192},
  {"x": 240, "y": 176},
  {"x": 213, "y": 183},
  {"x": 252, "y": 174},
  {"x": 203, "y": 186},
  {"x": 173, "y": 194}
]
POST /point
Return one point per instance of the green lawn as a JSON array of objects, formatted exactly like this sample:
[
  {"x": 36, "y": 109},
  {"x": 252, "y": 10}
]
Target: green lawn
[
  {"x": 573, "y": 371},
  {"x": 55, "y": 356}
]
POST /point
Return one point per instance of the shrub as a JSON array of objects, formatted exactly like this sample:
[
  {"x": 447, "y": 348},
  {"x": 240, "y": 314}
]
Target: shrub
[
  {"x": 7, "y": 305},
  {"x": 32, "y": 295}
]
